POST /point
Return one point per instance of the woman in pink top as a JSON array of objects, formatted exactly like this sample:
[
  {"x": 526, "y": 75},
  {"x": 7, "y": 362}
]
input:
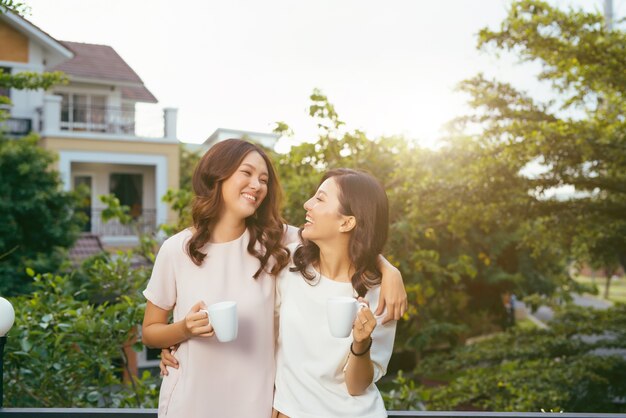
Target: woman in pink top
[
  {"x": 233, "y": 252},
  {"x": 230, "y": 253}
]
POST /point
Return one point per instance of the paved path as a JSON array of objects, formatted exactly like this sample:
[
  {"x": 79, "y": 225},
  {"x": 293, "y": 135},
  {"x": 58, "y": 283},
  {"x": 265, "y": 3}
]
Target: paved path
[
  {"x": 591, "y": 302},
  {"x": 545, "y": 313}
]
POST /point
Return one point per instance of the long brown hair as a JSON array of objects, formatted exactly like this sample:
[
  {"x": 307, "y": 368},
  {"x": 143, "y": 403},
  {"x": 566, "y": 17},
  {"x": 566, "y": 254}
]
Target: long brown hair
[
  {"x": 266, "y": 226},
  {"x": 361, "y": 196}
]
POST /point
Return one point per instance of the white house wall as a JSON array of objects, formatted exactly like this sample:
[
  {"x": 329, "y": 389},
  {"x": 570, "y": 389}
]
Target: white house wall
[
  {"x": 158, "y": 162},
  {"x": 101, "y": 175}
]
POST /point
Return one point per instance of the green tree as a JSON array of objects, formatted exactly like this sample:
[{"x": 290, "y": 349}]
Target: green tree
[
  {"x": 188, "y": 161},
  {"x": 39, "y": 220},
  {"x": 578, "y": 140},
  {"x": 463, "y": 238},
  {"x": 579, "y": 136}
]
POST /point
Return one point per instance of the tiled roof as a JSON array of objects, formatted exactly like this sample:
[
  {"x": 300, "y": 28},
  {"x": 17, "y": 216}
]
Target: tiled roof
[
  {"x": 138, "y": 94},
  {"x": 85, "y": 246},
  {"x": 101, "y": 62}
]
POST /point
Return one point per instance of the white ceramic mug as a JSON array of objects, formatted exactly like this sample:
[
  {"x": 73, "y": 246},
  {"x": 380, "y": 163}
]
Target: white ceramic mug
[
  {"x": 341, "y": 312},
  {"x": 223, "y": 317}
]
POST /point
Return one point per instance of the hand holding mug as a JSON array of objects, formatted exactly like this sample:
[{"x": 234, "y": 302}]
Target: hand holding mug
[
  {"x": 223, "y": 319},
  {"x": 341, "y": 312},
  {"x": 364, "y": 323},
  {"x": 196, "y": 322}
]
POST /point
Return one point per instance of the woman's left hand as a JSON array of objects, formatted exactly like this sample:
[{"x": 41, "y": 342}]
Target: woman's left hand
[
  {"x": 392, "y": 293},
  {"x": 168, "y": 359},
  {"x": 364, "y": 323}
]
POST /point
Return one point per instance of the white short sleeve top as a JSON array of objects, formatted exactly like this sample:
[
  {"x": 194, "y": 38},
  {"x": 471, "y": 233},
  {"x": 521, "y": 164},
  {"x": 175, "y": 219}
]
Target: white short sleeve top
[{"x": 310, "y": 362}]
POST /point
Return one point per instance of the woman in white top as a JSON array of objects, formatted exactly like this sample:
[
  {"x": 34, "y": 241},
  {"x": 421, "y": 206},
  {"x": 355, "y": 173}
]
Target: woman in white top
[{"x": 318, "y": 375}]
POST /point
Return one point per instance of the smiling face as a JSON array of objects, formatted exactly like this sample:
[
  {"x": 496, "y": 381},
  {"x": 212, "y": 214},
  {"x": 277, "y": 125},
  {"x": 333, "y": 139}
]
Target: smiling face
[
  {"x": 244, "y": 191},
  {"x": 324, "y": 220}
]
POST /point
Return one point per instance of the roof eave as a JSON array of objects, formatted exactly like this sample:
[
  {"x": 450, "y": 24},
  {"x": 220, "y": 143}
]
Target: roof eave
[
  {"x": 40, "y": 36},
  {"x": 102, "y": 81}
]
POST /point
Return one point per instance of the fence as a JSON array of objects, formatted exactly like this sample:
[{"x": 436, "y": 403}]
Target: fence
[{"x": 152, "y": 413}]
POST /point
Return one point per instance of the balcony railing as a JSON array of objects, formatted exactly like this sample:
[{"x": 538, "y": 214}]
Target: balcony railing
[
  {"x": 117, "y": 120},
  {"x": 152, "y": 413},
  {"x": 58, "y": 115},
  {"x": 145, "y": 222},
  {"x": 16, "y": 126}
]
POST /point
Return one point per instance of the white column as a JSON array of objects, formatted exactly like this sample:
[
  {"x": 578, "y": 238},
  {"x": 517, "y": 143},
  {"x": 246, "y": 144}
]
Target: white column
[
  {"x": 170, "y": 116},
  {"x": 608, "y": 14},
  {"x": 51, "y": 114}
]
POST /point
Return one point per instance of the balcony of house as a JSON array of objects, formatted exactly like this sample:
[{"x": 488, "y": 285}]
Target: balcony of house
[
  {"x": 152, "y": 413},
  {"x": 16, "y": 127},
  {"x": 143, "y": 221},
  {"x": 103, "y": 119},
  {"x": 62, "y": 116}
]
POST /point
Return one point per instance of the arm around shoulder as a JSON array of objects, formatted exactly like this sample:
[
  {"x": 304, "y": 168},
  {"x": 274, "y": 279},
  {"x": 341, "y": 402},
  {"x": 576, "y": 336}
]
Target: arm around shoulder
[{"x": 393, "y": 294}]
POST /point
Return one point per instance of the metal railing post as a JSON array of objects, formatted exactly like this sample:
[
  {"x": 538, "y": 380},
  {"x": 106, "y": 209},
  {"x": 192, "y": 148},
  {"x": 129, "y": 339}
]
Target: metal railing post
[{"x": 3, "y": 340}]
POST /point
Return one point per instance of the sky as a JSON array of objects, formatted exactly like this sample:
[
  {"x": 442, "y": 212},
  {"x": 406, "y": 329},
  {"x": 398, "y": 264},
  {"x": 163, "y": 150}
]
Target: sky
[{"x": 389, "y": 67}]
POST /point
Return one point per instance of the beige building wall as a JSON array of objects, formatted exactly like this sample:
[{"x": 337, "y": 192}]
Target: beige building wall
[
  {"x": 14, "y": 45},
  {"x": 170, "y": 151}
]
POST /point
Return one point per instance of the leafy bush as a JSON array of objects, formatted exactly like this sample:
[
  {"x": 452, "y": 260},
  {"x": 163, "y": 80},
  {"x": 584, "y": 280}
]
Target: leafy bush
[
  {"x": 406, "y": 396},
  {"x": 576, "y": 365},
  {"x": 66, "y": 351}
]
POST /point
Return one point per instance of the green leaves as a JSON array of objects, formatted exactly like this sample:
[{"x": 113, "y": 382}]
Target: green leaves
[
  {"x": 406, "y": 396},
  {"x": 568, "y": 367},
  {"x": 576, "y": 51},
  {"x": 180, "y": 201},
  {"x": 65, "y": 351},
  {"x": 39, "y": 220},
  {"x": 31, "y": 80},
  {"x": 14, "y": 6},
  {"x": 115, "y": 210}
]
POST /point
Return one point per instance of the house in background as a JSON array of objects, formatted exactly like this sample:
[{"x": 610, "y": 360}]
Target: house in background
[
  {"x": 267, "y": 140},
  {"x": 91, "y": 124}
]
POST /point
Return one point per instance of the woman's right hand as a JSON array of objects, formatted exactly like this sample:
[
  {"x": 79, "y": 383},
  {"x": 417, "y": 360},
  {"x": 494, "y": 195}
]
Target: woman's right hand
[
  {"x": 196, "y": 323},
  {"x": 168, "y": 359},
  {"x": 364, "y": 323}
]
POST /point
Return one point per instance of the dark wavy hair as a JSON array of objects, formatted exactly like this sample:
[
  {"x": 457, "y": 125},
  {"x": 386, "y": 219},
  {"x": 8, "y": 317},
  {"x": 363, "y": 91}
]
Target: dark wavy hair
[
  {"x": 266, "y": 226},
  {"x": 361, "y": 196}
]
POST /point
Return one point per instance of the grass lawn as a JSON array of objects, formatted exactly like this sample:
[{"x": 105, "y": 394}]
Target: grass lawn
[
  {"x": 617, "y": 291},
  {"x": 525, "y": 324}
]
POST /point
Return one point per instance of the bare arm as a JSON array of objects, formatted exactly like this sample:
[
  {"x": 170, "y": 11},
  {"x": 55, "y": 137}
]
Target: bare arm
[
  {"x": 156, "y": 332},
  {"x": 392, "y": 292},
  {"x": 360, "y": 369}
]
